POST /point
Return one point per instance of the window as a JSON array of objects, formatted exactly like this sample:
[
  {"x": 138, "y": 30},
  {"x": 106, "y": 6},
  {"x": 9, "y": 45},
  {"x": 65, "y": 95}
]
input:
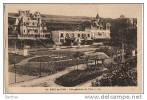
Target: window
[
  {"x": 67, "y": 35},
  {"x": 88, "y": 35},
  {"x": 61, "y": 35},
  {"x": 24, "y": 31},
  {"x": 47, "y": 36},
  {"x": 73, "y": 35},
  {"x": 36, "y": 31},
  {"x": 82, "y": 35},
  {"x": 99, "y": 34},
  {"x": 33, "y": 23},
  {"x": 78, "y": 35},
  {"x": 27, "y": 23}
]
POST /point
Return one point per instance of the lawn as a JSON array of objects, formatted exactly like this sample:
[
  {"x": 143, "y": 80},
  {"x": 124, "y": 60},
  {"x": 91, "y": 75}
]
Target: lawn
[
  {"x": 15, "y": 58},
  {"x": 50, "y": 63},
  {"x": 77, "y": 77},
  {"x": 49, "y": 58},
  {"x": 44, "y": 68}
]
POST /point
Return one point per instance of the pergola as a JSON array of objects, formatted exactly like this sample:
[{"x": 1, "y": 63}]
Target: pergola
[{"x": 97, "y": 58}]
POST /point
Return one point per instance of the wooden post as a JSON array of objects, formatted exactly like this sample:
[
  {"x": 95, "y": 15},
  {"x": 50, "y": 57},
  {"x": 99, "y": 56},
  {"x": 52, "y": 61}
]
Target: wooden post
[
  {"x": 14, "y": 70},
  {"x": 39, "y": 68},
  {"x": 15, "y": 63},
  {"x": 77, "y": 63}
]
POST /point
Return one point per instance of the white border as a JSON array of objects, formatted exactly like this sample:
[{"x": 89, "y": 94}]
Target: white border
[{"x": 63, "y": 96}]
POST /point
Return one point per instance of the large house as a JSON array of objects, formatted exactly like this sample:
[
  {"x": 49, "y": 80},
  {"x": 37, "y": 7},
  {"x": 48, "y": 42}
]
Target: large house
[
  {"x": 30, "y": 25},
  {"x": 28, "y": 28}
]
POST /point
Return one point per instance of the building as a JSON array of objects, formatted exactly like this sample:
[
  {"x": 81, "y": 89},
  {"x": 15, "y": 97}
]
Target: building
[
  {"x": 30, "y": 25},
  {"x": 26, "y": 28},
  {"x": 95, "y": 32},
  {"x": 61, "y": 37}
]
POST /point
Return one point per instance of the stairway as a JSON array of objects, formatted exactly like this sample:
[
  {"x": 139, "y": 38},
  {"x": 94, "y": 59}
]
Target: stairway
[{"x": 43, "y": 44}]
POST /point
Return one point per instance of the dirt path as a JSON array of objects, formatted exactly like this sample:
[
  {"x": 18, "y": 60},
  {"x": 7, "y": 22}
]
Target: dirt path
[{"x": 24, "y": 61}]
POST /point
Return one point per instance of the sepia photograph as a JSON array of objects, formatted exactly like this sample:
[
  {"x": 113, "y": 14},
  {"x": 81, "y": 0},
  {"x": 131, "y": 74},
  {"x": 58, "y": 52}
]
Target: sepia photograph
[{"x": 73, "y": 48}]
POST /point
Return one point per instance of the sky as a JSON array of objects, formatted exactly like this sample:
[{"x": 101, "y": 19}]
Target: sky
[{"x": 90, "y": 10}]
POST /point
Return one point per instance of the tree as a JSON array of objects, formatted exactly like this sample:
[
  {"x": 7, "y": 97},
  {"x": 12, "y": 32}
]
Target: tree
[{"x": 123, "y": 31}]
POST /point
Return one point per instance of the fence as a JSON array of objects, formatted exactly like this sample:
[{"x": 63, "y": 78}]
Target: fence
[{"x": 32, "y": 70}]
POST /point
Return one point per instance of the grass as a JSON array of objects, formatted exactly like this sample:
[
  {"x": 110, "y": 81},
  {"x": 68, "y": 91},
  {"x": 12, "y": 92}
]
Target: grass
[
  {"x": 48, "y": 58},
  {"x": 54, "y": 52},
  {"x": 15, "y": 58},
  {"x": 44, "y": 65},
  {"x": 46, "y": 68},
  {"x": 77, "y": 77}
]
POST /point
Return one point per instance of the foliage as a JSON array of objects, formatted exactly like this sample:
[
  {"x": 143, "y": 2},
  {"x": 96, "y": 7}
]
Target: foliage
[
  {"x": 123, "y": 31},
  {"x": 77, "y": 77},
  {"x": 15, "y": 58}
]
